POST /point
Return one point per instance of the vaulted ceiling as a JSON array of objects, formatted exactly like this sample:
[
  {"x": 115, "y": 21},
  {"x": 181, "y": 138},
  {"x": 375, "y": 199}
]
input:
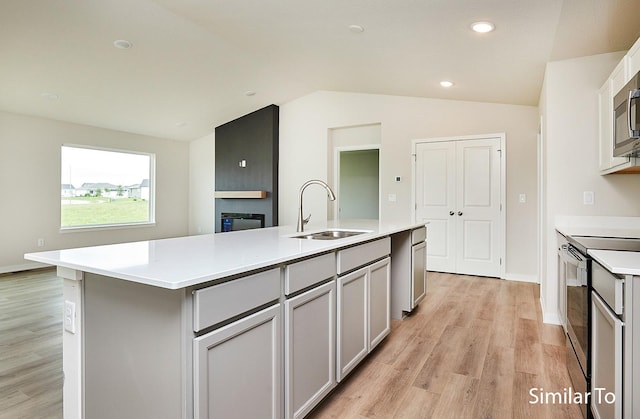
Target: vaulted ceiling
[{"x": 193, "y": 62}]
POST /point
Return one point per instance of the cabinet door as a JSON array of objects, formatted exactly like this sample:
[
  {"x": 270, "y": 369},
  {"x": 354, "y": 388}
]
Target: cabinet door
[
  {"x": 633, "y": 57},
  {"x": 352, "y": 341},
  {"x": 379, "y": 301},
  {"x": 309, "y": 348},
  {"x": 419, "y": 274},
  {"x": 238, "y": 368},
  {"x": 606, "y": 361}
]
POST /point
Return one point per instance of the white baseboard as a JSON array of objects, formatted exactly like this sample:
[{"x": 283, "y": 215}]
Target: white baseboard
[
  {"x": 549, "y": 317},
  {"x": 521, "y": 278},
  {"x": 21, "y": 267}
]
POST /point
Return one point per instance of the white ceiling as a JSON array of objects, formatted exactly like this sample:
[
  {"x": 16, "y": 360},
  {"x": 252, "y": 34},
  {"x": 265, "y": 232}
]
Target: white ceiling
[{"x": 193, "y": 60}]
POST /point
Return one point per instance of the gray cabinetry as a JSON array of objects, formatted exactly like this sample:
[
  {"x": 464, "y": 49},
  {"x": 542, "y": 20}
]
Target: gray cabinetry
[
  {"x": 379, "y": 303},
  {"x": 309, "y": 349},
  {"x": 242, "y": 355},
  {"x": 364, "y": 308},
  {"x": 352, "y": 321},
  {"x": 237, "y": 369},
  {"x": 606, "y": 353},
  {"x": 419, "y": 274},
  {"x": 309, "y": 333},
  {"x": 409, "y": 285}
]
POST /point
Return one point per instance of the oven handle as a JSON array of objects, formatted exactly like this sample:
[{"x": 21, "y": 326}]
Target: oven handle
[
  {"x": 629, "y": 113},
  {"x": 570, "y": 255},
  {"x": 633, "y": 95}
]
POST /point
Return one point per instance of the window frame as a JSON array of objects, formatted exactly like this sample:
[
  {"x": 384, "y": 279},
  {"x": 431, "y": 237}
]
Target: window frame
[{"x": 109, "y": 226}]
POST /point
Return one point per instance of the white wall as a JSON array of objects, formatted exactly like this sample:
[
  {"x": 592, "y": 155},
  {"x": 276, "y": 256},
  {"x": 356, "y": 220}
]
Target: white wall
[
  {"x": 305, "y": 126},
  {"x": 30, "y": 185},
  {"x": 202, "y": 185},
  {"x": 569, "y": 109}
]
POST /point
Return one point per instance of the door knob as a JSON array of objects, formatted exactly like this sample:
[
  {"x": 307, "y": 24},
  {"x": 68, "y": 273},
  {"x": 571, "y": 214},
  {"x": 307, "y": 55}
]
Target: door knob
[
  {"x": 451, "y": 212},
  {"x": 459, "y": 212}
]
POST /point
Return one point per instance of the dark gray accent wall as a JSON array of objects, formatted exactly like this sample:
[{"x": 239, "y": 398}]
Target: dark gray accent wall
[{"x": 254, "y": 139}]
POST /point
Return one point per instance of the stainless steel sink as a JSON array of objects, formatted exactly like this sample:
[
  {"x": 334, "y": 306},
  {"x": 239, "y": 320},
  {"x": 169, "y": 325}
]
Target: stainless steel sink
[{"x": 330, "y": 234}]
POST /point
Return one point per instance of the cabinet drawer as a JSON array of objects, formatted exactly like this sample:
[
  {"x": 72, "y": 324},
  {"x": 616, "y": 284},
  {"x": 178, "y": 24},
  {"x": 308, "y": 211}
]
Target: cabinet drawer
[
  {"x": 305, "y": 273},
  {"x": 608, "y": 286},
  {"x": 356, "y": 256},
  {"x": 221, "y": 302},
  {"x": 418, "y": 235}
]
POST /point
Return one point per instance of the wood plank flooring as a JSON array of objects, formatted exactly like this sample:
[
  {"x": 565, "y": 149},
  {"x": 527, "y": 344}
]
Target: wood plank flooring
[
  {"x": 31, "y": 345},
  {"x": 473, "y": 349}
]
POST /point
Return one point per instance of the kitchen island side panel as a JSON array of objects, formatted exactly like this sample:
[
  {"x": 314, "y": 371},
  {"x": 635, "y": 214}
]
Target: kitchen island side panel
[{"x": 134, "y": 350}]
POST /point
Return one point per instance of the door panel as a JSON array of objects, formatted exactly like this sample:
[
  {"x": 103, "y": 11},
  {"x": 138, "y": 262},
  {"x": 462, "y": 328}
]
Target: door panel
[
  {"x": 435, "y": 197},
  {"x": 478, "y": 198},
  {"x": 458, "y": 193},
  {"x": 475, "y": 236},
  {"x": 476, "y": 175}
]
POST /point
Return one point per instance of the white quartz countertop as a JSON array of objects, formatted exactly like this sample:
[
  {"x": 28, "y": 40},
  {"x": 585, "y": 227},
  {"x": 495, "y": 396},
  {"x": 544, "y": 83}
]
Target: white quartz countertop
[
  {"x": 186, "y": 261},
  {"x": 617, "y": 262},
  {"x": 598, "y": 231}
]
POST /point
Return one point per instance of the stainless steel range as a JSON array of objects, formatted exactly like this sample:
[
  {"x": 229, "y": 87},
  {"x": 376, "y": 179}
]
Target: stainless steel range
[{"x": 577, "y": 272}]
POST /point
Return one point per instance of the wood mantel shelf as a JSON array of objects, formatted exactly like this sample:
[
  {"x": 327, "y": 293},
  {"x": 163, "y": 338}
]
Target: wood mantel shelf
[{"x": 241, "y": 194}]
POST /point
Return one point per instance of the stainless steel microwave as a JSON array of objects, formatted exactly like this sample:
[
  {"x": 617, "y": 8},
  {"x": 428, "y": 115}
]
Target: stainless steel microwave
[{"x": 626, "y": 114}]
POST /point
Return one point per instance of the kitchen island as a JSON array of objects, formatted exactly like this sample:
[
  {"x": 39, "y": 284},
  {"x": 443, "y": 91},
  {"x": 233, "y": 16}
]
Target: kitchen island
[{"x": 254, "y": 323}]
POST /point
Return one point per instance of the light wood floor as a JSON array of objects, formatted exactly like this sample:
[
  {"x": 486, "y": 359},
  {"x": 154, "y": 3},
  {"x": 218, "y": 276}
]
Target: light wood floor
[
  {"x": 473, "y": 349},
  {"x": 31, "y": 345}
]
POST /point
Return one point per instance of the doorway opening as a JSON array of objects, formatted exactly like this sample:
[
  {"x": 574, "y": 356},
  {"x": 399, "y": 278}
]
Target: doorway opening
[{"x": 358, "y": 182}]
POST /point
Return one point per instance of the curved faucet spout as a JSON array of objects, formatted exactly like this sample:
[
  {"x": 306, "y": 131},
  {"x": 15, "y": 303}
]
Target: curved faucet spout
[{"x": 301, "y": 220}]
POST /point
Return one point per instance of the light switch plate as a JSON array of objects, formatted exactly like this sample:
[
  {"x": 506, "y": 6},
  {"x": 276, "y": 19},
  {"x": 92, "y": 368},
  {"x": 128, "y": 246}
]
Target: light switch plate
[
  {"x": 522, "y": 198},
  {"x": 587, "y": 198}
]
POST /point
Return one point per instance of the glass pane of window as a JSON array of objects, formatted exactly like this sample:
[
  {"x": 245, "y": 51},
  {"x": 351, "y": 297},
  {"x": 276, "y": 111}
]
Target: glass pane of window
[{"x": 105, "y": 187}]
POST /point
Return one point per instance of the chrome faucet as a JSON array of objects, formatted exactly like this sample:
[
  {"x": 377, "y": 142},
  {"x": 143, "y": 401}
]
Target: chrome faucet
[{"x": 302, "y": 221}]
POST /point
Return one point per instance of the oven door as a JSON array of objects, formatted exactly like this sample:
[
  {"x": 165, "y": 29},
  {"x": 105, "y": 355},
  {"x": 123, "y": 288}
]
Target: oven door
[{"x": 576, "y": 271}]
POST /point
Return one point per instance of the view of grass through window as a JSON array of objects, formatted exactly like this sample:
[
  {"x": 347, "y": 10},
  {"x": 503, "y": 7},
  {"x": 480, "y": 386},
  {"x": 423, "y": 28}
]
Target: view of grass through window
[{"x": 105, "y": 187}]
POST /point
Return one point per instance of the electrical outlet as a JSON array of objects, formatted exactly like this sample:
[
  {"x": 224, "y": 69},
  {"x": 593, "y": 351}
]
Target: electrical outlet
[
  {"x": 391, "y": 197},
  {"x": 522, "y": 198},
  {"x": 40, "y": 242},
  {"x": 70, "y": 316}
]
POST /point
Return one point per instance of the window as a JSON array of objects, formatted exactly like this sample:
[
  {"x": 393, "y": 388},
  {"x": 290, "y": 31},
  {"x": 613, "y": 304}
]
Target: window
[{"x": 105, "y": 187}]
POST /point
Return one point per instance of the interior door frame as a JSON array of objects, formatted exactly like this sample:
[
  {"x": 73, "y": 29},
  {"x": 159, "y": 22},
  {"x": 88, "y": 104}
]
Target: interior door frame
[
  {"x": 503, "y": 183},
  {"x": 336, "y": 174}
]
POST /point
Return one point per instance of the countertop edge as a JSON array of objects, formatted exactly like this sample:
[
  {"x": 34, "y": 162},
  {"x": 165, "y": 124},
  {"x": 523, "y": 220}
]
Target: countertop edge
[
  {"x": 617, "y": 261},
  {"x": 329, "y": 246}
]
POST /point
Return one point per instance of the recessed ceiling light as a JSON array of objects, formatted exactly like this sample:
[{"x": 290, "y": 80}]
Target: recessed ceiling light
[
  {"x": 356, "y": 28},
  {"x": 122, "y": 44},
  {"x": 249, "y": 93},
  {"x": 50, "y": 96},
  {"x": 446, "y": 83},
  {"x": 181, "y": 124},
  {"x": 482, "y": 27}
]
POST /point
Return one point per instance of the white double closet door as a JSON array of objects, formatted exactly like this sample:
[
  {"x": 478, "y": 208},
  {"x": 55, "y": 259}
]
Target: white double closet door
[{"x": 458, "y": 188}]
